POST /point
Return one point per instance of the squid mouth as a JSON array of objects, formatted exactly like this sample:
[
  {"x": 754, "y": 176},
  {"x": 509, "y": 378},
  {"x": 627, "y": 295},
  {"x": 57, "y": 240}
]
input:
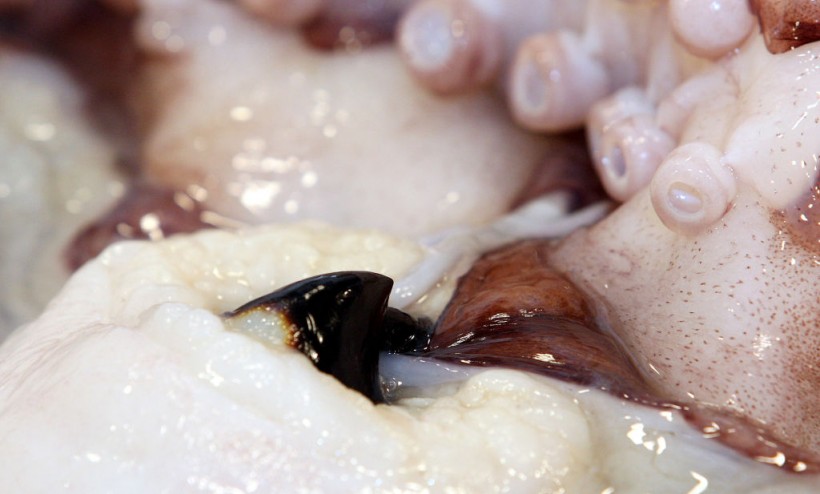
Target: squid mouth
[{"x": 511, "y": 310}]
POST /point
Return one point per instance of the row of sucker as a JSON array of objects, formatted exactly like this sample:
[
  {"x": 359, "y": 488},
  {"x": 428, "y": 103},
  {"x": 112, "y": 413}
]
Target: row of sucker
[{"x": 630, "y": 72}]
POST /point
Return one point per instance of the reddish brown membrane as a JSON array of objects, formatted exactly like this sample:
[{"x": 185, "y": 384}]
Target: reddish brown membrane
[
  {"x": 145, "y": 212},
  {"x": 787, "y": 24},
  {"x": 334, "y": 24},
  {"x": 37, "y": 18},
  {"x": 567, "y": 167},
  {"x": 513, "y": 310},
  {"x": 351, "y": 31}
]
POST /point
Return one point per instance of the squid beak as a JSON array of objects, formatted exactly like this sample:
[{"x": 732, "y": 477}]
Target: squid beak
[{"x": 340, "y": 321}]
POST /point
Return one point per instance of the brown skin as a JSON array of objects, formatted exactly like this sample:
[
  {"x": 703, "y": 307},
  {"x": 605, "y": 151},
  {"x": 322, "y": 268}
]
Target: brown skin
[{"x": 787, "y": 24}]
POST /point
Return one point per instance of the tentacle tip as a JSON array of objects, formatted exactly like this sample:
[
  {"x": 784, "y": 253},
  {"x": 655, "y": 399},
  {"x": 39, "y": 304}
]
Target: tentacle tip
[
  {"x": 687, "y": 208},
  {"x": 692, "y": 189},
  {"x": 709, "y": 28},
  {"x": 681, "y": 209},
  {"x": 425, "y": 38},
  {"x": 612, "y": 170},
  {"x": 529, "y": 96},
  {"x": 450, "y": 47},
  {"x": 554, "y": 82},
  {"x": 627, "y": 154}
]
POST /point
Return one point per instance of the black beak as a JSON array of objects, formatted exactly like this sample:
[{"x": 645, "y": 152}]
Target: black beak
[{"x": 341, "y": 322}]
